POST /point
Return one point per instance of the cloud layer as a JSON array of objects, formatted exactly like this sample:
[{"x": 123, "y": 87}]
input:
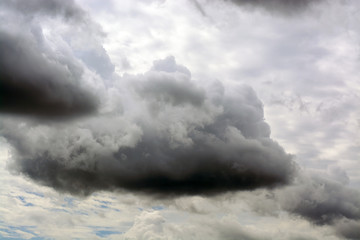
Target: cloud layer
[{"x": 161, "y": 133}]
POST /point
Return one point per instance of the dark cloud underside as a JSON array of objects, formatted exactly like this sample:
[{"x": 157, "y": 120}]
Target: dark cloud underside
[
  {"x": 196, "y": 141},
  {"x": 66, "y": 9},
  {"x": 31, "y": 84},
  {"x": 277, "y": 6}
]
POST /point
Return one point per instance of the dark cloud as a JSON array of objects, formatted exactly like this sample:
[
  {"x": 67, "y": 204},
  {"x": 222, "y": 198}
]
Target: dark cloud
[
  {"x": 41, "y": 74},
  {"x": 199, "y": 141},
  {"x": 349, "y": 229},
  {"x": 85, "y": 33},
  {"x": 66, "y": 9},
  {"x": 323, "y": 201},
  {"x": 32, "y": 84},
  {"x": 277, "y": 6}
]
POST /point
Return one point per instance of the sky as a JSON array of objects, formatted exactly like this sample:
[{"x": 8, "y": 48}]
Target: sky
[{"x": 188, "y": 119}]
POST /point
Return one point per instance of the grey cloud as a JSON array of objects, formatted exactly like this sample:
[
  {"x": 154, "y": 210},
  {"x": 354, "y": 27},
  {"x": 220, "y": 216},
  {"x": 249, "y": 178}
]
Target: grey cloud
[
  {"x": 234, "y": 231},
  {"x": 169, "y": 65},
  {"x": 152, "y": 225},
  {"x": 32, "y": 84},
  {"x": 322, "y": 201},
  {"x": 92, "y": 54},
  {"x": 183, "y": 149},
  {"x": 199, "y": 7},
  {"x": 67, "y": 9},
  {"x": 39, "y": 79},
  {"x": 349, "y": 229},
  {"x": 170, "y": 82},
  {"x": 314, "y": 197},
  {"x": 97, "y": 60},
  {"x": 278, "y": 6}
]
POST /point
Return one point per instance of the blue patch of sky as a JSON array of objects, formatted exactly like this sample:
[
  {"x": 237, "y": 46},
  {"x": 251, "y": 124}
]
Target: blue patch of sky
[
  {"x": 22, "y": 199},
  {"x": 104, "y": 202},
  {"x": 69, "y": 202},
  {"x": 13, "y": 232},
  {"x": 58, "y": 210},
  {"x": 106, "y": 233},
  {"x": 36, "y": 193},
  {"x": 101, "y": 231},
  {"x": 105, "y": 205},
  {"x": 157, "y": 208},
  {"x": 81, "y": 213}
]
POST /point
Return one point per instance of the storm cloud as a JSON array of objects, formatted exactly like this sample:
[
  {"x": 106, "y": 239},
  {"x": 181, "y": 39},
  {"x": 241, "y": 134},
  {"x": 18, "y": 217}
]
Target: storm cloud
[
  {"x": 184, "y": 139},
  {"x": 38, "y": 79},
  {"x": 32, "y": 84}
]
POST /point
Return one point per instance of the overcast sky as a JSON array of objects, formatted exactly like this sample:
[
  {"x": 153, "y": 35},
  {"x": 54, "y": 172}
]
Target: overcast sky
[{"x": 187, "y": 119}]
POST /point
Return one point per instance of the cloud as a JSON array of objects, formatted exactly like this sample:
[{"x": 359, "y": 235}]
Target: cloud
[
  {"x": 315, "y": 198},
  {"x": 68, "y": 9},
  {"x": 152, "y": 225},
  {"x": 277, "y": 6},
  {"x": 181, "y": 139},
  {"x": 160, "y": 133},
  {"x": 322, "y": 201},
  {"x": 325, "y": 202},
  {"x": 349, "y": 229},
  {"x": 39, "y": 79},
  {"x": 32, "y": 84}
]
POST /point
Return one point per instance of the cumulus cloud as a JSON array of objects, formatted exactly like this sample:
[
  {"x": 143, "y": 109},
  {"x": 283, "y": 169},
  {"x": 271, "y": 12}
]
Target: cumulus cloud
[
  {"x": 38, "y": 79},
  {"x": 322, "y": 201},
  {"x": 181, "y": 139},
  {"x": 313, "y": 197},
  {"x": 32, "y": 84}
]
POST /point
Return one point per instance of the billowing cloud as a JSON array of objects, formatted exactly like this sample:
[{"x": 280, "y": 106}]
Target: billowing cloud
[
  {"x": 315, "y": 198},
  {"x": 322, "y": 201},
  {"x": 32, "y": 84},
  {"x": 349, "y": 229},
  {"x": 181, "y": 139},
  {"x": 36, "y": 79}
]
